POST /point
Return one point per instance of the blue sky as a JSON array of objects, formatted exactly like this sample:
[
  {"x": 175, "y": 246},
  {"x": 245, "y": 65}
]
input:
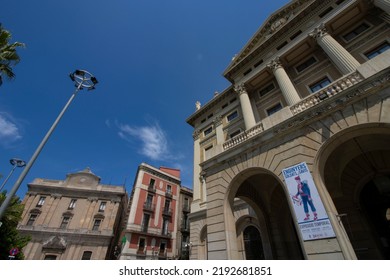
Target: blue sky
[{"x": 154, "y": 59}]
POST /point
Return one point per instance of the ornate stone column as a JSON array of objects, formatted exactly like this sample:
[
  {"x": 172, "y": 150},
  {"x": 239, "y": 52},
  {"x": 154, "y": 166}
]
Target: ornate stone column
[
  {"x": 288, "y": 90},
  {"x": 344, "y": 61},
  {"x": 246, "y": 108},
  {"x": 383, "y": 4},
  {"x": 197, "y": 170}
]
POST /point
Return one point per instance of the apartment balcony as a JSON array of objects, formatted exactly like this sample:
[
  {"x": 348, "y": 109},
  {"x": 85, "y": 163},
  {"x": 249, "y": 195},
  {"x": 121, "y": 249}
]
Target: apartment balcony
[
  {"x": 168, "y": 194},
  {"x": 149, "y": 207},
  {"x": 341, "y": 92},
  {"x": 151, "y": 189}
]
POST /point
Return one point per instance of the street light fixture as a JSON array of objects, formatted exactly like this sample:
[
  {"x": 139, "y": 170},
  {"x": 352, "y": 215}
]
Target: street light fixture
[
  {"x": 83, "y": 79},
  {"x": 16, "y": 163}
]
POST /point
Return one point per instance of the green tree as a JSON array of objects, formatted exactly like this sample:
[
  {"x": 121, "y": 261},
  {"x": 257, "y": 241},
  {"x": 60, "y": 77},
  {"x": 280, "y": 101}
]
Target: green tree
[
  {"x": 9, "y": 235},
  {"x": 8, "y": 55}
]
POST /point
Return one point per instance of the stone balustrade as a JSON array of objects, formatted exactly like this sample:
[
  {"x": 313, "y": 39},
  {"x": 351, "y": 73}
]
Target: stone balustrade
[
  {"x": 332, "y": 89},
  {"x": 243, "y": 136}
]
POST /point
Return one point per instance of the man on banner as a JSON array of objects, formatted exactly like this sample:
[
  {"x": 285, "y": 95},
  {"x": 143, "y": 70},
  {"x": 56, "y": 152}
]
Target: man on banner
[{"x": 304, "y": 192}]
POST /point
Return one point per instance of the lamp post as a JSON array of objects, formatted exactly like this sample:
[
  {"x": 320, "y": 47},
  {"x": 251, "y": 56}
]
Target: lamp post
[
  {"x": 16, "y": 163},
  {"x": 82, "y": 79}
]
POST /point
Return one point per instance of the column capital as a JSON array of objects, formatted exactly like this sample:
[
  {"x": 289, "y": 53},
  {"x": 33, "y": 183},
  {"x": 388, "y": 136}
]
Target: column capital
[
  {"x": 196, "y": 134},
  {"x": 275, "y": 64},
  {"x": 319, "y": 32},
  {"x": 240, "y": 88}
]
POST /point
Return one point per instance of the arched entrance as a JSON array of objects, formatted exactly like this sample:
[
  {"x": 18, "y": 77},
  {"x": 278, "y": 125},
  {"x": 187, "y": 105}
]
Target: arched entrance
[
  {"x": 356, "y": 174},
  {"x": 276, "y": 236}
]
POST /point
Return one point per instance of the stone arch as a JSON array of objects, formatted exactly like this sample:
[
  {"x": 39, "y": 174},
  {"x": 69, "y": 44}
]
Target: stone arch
[
  {"x": 350, "y": 165},
  {"x": 266, "y": 194}
]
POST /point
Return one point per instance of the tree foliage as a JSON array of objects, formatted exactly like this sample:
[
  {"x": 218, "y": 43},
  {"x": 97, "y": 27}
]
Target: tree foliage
[
  {"x": 9, "y": 235},
  {"x": 8, "y": 54}
]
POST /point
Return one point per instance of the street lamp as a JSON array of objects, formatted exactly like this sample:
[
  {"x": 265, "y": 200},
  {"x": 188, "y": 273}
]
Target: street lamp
[
  {"x": 16, "y": 163},
  {"x": 82, "y": 79}
]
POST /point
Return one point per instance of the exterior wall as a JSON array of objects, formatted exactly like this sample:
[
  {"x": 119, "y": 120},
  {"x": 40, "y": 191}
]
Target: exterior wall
[
  {"x": 69, "y": 242},
  {"x": 354, "y": 101}
]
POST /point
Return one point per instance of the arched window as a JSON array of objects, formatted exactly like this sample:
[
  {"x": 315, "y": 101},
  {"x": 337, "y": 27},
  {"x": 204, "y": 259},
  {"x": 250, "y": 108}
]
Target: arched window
[
  {"x": 87, "y": 255},
  {"x": 253, "y": 244}
]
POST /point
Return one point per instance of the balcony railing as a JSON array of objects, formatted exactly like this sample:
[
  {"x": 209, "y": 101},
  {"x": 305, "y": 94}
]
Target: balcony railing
[
  {"x": 149, "y": 206},
  {"x": 151, "y": 188},
  {"x": 168, "y": 194},
  {"x": 326, "y": 92}
]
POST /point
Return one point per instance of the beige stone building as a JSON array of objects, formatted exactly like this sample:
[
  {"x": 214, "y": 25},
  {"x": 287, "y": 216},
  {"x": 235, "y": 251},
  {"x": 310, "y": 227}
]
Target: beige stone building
[
  {"x": 310, "y": 89},
  {"x": 75, "y": 219}
]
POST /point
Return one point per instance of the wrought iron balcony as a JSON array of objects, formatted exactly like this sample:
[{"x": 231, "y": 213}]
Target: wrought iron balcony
[
  {"x": 150, "y": 207},
  {"x": 167, "y": 211}
]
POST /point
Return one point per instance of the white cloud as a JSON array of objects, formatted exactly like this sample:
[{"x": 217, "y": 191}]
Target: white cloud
[
  {"x": 9, "y": 132},
  {"x": 153, "y": 139}
]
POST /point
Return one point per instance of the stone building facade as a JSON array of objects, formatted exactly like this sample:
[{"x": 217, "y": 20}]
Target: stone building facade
[
  {"x": 311, "y": 86},
  {"x": 74, "y": 219}
]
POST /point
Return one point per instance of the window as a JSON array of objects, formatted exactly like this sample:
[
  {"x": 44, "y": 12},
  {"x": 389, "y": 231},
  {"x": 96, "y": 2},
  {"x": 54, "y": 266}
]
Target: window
[
  {"x": 247, "y": 71},
  {"x": 224, "y": 105},
  {"x": 72, "y": 204},
  {"x": 41, "y": 201},
  {"x": 169, "y": 189},
  {"x": 258, "y": 63},
  {"x": 356, "y": 32},
  {"x": 50, "y": 257},
  {"x": 165, "y": 227},
  {"x": 232, "y": 116},
  {"x": 208, "y": 131},
  {"x": 141, "y": 244},
  {"x": 167, "y": 205},
  {"x": 32, "y": 219},
  {"x": 320, "y": 84},
  {"x": 149, "y": 199},
  {"x": 378, "y": 50},
  {"x": 306, "y": 64},
  {"x": 209, "y": 152},
  {"x": 145, "y": 223},
  {"x": 96, "y": 224},
  {"x": 266, "y": 89},
  {"x": 87, "y": 255},
  {"x": 295, "y": 35},
  {"x": 65, "y": 222},
  {"x": 151, "y": 183},
  {"x": 281, "y": 45},
  {"x": 274, "y": 109},
  {"x": 102, "y": 206}
]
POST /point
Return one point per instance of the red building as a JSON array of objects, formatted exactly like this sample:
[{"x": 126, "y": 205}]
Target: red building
[{"x": 152, "y": 224}]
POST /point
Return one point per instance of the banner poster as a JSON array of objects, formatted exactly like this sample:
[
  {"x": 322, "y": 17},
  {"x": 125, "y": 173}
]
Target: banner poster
[{"x": 309, "y": 210}]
